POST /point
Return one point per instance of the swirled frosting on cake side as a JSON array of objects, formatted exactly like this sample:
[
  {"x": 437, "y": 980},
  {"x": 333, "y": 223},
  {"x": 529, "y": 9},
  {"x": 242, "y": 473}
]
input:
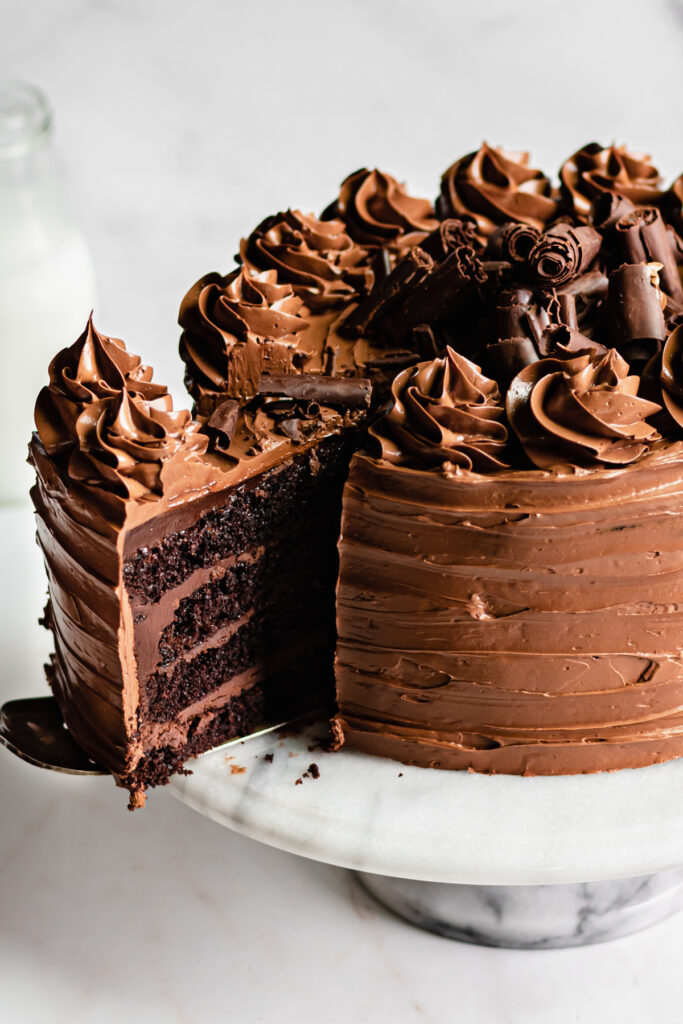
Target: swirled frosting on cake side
[
  {"x": 378, "y": 211},
  {"x": 443, "y": 411},
  {"x": 112, "y": 426},
  {"x": 581, "y": 412},
  {"x": 595, "y": 169},
  {"x": 234, "y": 329},
  {"x": 494, "y": 187}
]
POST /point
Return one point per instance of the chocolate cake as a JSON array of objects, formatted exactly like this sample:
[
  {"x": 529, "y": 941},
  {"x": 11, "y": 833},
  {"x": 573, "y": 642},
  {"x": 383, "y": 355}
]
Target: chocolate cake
[
  {"x": 506, "y": 366},
  {"x": 511, "y": 561}
]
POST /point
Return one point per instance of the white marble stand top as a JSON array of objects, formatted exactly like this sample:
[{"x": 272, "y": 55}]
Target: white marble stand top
[{"x": 377, "y": 815}]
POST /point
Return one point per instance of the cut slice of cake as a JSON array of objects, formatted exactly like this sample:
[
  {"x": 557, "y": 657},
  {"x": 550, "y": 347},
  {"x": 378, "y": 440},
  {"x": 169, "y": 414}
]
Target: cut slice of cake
[{"x": 191, "y": 565}]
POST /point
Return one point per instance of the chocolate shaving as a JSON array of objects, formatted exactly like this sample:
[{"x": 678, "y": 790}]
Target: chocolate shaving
[
  {"x": 512, "y": 242},
  {"x": 564, "y": 342},
  {"x": 448, "y": 236},
  {"x": 346, "y": 392},
  {"x": 222, "y": 425},
  {"x": 637, "y": 322},
  {"x": 592, "y": 283},
  {"x": 505, "y": 358},
  {"x": 424, "y": 341},
  {"x": 406, "y": 274},
  {"x": 564, "y": 252},
  {"x": 609, "y": 208},
  {"x": 643, "y": 238}
]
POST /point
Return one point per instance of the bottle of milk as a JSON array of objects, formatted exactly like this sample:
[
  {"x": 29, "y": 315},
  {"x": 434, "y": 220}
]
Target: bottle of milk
[{"x": 47, "y": 284}]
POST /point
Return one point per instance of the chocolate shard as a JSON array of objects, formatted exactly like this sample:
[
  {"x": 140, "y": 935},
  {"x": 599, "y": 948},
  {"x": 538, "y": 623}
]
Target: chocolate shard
[
  {"x": 643, "y": 238},
  {"x": 562, "y": 253},
  {"x": 637, "y": 322},
  {"x": 593, "y": 283},
  {"x": 345, "y": 392},
  {"x": 512, "y": 243},
  {"x": 408, "y": 272},
  {"x": 424, "y": 341},
  {"x": 608, "y": 209}
]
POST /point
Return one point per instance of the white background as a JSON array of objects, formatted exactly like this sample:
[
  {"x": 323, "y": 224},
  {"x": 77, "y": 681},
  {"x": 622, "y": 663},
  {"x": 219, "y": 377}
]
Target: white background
[{"x": 181, "y": 125}]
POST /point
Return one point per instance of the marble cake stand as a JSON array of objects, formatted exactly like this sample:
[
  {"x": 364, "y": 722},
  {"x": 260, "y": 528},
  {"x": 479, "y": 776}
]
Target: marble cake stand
[{"x": 533, "y": 863}]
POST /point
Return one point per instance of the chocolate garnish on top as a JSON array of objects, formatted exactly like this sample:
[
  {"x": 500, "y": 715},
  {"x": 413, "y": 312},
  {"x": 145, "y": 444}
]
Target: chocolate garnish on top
[
  {"x": 563, "y": 253},
  {"x": 643, "y": 238},
  {"x": 595, "y": 169},
  {"x": 635, "y": 303}
]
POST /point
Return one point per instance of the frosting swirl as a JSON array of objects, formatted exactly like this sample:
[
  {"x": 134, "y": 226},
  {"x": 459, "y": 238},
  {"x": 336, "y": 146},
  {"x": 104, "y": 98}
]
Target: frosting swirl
[
  {"x": 444, "y": 411},
  {"x": 580, "y": 412},
  {"x": 595, "y": 169},
  {"x": 671, "y": 376},
  {"x": 494, "y": 186},
  {"x": 234, "y": 329},
  {"x": 111, "y": 425},
  {"x": 378, "y": 211},
  {"x": 317, "y": 258}
]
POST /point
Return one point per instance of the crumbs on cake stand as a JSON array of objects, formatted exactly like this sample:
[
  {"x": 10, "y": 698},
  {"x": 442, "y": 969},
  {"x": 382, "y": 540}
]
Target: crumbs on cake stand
[{"x": 312, "y": 773}]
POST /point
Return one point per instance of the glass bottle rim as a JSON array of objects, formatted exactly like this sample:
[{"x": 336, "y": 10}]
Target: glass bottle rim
[{"x": 25, "y": 117}]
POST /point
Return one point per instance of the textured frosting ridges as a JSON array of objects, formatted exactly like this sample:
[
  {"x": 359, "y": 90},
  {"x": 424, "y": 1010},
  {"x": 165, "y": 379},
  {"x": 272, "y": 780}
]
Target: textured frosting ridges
[{"x": 519, "y": 622}]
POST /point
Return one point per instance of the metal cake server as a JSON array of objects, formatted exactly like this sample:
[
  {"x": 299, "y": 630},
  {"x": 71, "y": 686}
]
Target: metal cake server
[{"x": 34, "y": 730}]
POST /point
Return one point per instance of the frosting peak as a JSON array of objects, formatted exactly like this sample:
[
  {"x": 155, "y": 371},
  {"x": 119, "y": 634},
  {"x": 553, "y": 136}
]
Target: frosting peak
[
  {"x": 580, "y": 412},
  {"x": 234, "y": 329},
  {"x": 444, "y": 411},
  {"x": 494, "y": 187},
  {"x": 112, "y": 426},
  {"x": 377, "y": 210},
  {"x": 594, "y": 170}
]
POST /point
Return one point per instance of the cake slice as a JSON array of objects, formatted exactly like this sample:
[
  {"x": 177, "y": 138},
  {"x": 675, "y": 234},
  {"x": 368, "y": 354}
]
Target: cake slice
[{"x": 191, "y": 564}]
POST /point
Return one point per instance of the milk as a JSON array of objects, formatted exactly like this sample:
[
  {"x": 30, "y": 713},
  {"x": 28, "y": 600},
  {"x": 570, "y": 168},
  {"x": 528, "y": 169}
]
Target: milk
[{"x": 47, "y": 285}]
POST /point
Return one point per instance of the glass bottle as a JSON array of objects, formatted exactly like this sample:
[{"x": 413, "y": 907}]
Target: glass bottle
[{"x": 47, "y": 282}]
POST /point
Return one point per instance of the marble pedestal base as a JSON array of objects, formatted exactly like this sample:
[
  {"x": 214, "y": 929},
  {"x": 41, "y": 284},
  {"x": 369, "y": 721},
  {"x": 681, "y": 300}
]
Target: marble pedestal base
[{"x": 531, "y": 916}]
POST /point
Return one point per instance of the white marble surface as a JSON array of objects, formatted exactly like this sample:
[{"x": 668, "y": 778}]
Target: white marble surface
[{"x": 180, "y": 125}]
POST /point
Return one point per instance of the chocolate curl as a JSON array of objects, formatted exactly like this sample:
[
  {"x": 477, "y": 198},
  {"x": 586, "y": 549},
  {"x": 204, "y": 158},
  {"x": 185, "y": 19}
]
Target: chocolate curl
[
  {"x": 504, "y": 359},
  {"x": 512, "y": 242},
  {"x": 408, "y": 272},
  {"x": 643, "y": 238},
  {"x": 563, "y": 253},
  {"x": 563, "y": 342},
  {"x": 346, "y": 392},
  {"x": 609, "y": 208},
  {"x": 636, "y": 317},
  {"x": 424, "y": 342},
  {"x": 448, "y": 236},
  {"x": 222, "y": 424},
  {"x": 431, "y": 296}
]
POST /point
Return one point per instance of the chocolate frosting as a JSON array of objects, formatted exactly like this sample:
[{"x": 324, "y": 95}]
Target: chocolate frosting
[
  {"x": 378, "y": 211},
  {"x": 595, "y": 169},
  {"x": 444, "y": 410},
  {"x": 516, "y": 622},
  {"x": 580, "y": 412},
  {"x": 494, "y": 186},
  {"x": 325, "y": 268},
  {"x": 234, "y": 329},
  {"x": 111, "y": 426}
]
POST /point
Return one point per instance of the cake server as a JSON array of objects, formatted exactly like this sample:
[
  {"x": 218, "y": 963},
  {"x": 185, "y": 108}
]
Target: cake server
[{"x": 34, "y": 730}]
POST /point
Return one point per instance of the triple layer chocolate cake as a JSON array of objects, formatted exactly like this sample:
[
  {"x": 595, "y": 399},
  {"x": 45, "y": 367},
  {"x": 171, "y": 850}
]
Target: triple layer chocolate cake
[{"x": 506, "y": 365}]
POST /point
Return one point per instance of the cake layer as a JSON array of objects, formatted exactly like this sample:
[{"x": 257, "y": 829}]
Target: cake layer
[{"x": 523, "y": 622}]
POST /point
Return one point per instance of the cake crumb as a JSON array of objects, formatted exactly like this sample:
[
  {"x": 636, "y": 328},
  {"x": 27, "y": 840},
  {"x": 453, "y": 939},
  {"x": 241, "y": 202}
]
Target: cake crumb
[
  {"x": 400, "y": 775},
  {"x": 298, "y": 782},
  {"x": 313, "y": 771},
  {"x": 237, "y": 769},
  {"x": 268, "y": 758}
]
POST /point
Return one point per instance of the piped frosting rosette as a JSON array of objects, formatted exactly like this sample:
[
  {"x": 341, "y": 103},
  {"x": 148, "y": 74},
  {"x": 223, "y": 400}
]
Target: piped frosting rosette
[
  {"x": 378, "y": 211},
  {"x": 594, "y": 170},
  {"x": 114, "y": 427},
  {"x": 580, "y": 412},
  {"x": 494, "y": 187},
  {"x": 324, "y": 266},
  {"x": 444, "y": 411}
]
